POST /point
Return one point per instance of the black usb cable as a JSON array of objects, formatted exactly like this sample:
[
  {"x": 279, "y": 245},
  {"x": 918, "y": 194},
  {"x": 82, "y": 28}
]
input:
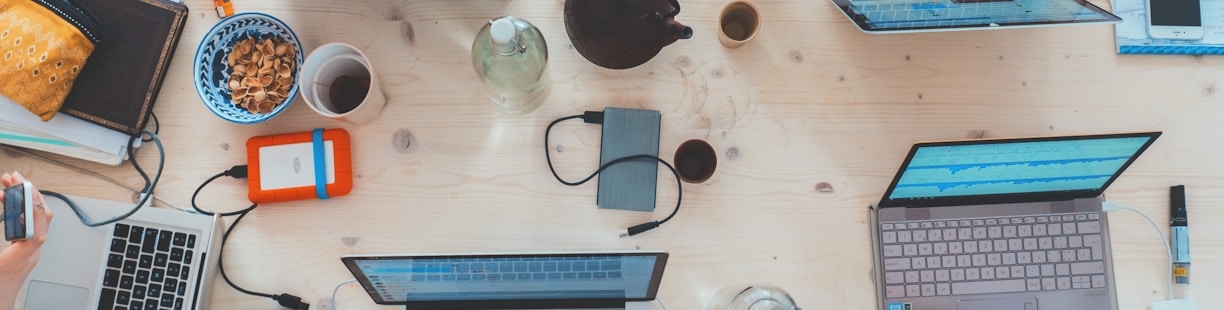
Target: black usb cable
[
  {"x": 240, "y": 172},
  {"x": 593, "y": 117}
]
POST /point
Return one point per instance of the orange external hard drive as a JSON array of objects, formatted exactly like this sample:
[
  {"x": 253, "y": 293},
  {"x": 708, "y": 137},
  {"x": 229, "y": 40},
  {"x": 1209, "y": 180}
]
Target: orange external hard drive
[{"x": 297, "y": 166}]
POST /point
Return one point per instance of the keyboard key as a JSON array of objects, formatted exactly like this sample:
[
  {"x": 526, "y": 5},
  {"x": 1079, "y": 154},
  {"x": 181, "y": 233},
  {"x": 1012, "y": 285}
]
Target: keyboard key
[
  {"x": 949, "y": 234},
  {"x": 940, "y": 248},
  {"x": 928, "y": 290},
  {"x": 1016, "y": 271},
  {"x": 1083, "y": 254},
  {"x": 1002, "y": 272},
  {"x": 1068, "y": 228},
  {"x": 111, "y": 278},
  {"x": 190, "y": 241},
  {"x": 972, "y": 274},
  {"x": 125, "y": 282},
  {"x": 584, "y": 275},
  {"x": 1024, "y": 231},
  {"x": 1009, "y": 232},
  {"x": 1060, "y": 242},
  {"x": 186, "y": 273},
  {"x": 178, "y": 304},
  {"x": 1039, "y": 230},
  {"x": 963, "y": 261},
  {"x": 979, "y": 233},
  {"x": 160, "y": 260},
  {"x": 1094, "y": 242},
  {"x": 118, "y": 245},
  {"x": 934, "y": 235},
  {"x": 948, "y": 261},
  {"x": 941, "y": 275},
  {"x": 904, "y": 236},
  {"x": 176, "y": 254},
  {"x": 107, "y": 298},
  {"x": 135, "y": 234},
  {"x": 1068, "y": 255},
  {"x": 123, "y": 298},
  {"x": 894, "y": 291},
  {"x": 167, "y": 300},
  {"x": 1081, "y": 217},
  {"x": 994, "y": 232},
  {"x": 1054, "y": 229},
  {"x": 988, "y": 287},
  {"x": 1098, "y": 281},
  {"x": 1039, "y": 257},
  {"x": 970, "y": 247},
  {"x": 1054, "y": 256},
  {"x": 1088, "y": 268},
  {"x": 889, "y": 237},
  {"x": 955, "y": 248},
  {"x": 172, "y": 269},
  {"x": 1000, "y": 245},
  {"x": 133, "y": 252},
  {"x": 1024, "y": 258},
  {"x": 1094, "y": 216},
  {"x": 909, "y": 249},
  {"x": 924, "y": 249},
  {"x": 142, "y": 277},
  {"x": 180, "y": 239},
  {"x": 1042, "y": 219},
  {"x": 1032, "y": 271},
  {"x": 1045, "y": 243},
  {"x": 979, "y": 260},
  {"x": 978, "y": 222},
  {"x": 129, "y": 266},
  {"x": 927, "y": 276},
  {"x": 918, "y": 263},
  {"x": 188, "y": 256},
  {"x": 920, "y": 236},
  {"x": 896, "y": 263},
  {"x": 888, "y": 226},
  {"x": 1009, "y": 258},
  {"x": 994, "y": 259},
  {"x": 943, "y": 289},
  {"x": 912, "y": 291},
  {"x": 158, "y": 275},
  {"x": 1030, "y": 244},
  {"x": 138, "y": 293},
  {"x": 149, "y": 240},
  {"x": 611, "y": 275},
  {"x": 163, "y": 240},
  {"x": 1062, "y": 269},
  {"x": 964, "y": 233},
  {"x": 121, "y": 230},
  {"x": 151, "y": 303},
  {"x": 114, "y": 261},
  {"x": 957, "y": 274},
  {"x": 146, "y": 261},
  {"x": 912, "y": 225},
  {"x": 933, "y": 262},
  {"x": 985, "y": 246}
]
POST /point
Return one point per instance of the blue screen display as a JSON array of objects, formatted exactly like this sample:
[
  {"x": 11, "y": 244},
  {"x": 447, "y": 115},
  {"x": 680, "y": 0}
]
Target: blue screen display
[
  {"x": 928, "y": 14},
  {"x": 1020, "y": 167},
  {"x": 510, "y": 277}
]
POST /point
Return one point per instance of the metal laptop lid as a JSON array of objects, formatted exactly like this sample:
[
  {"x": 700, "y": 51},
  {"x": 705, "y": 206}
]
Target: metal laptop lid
[
  {"x": 896, "y": 16},
  {"x": 510, "y": 280},
  {"x": 965, "y": 172}
]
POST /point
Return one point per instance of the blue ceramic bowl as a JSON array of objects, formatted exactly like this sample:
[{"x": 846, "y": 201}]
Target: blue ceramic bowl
[{"x": 211, "y": 70}]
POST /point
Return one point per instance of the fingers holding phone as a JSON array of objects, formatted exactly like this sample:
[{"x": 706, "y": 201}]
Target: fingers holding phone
[{"x": 26, "y": 214}]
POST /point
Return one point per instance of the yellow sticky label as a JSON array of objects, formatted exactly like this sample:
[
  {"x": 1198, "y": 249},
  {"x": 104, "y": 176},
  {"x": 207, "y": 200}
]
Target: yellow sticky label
[{"x": 1181, "y": 272}]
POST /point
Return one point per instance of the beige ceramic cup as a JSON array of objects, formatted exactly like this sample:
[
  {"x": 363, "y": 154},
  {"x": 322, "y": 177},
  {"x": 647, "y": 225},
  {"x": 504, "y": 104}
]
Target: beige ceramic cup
[
  {"x": 738, "y": 23},
  {"x": 324, "y": 67}
]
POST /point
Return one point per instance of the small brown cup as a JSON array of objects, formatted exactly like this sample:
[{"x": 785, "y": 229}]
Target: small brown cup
[
  {"x": 738, "y": 23},
  {"x": 695, "y": 161}
]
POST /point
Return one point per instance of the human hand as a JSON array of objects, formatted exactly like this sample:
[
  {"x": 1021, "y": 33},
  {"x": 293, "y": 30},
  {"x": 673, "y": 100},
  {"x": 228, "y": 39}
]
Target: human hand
[
  {"x": 26, "y": 251},
  {"x": 19, "y": 258}
]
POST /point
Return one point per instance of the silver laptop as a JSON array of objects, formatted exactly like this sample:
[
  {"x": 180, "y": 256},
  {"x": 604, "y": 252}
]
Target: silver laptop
[
  {"x": 155, "y": 259},
  {"x": 899, "y": 16},
  {"x": 569, "y": 280},
  {"x": 1001, "y": 224}
]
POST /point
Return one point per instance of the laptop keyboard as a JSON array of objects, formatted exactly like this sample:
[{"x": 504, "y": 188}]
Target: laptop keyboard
[
  {"x": 147, "y": 268},
  {"x": 993, "y": 255},
  {"x": 558, "y": 268}
]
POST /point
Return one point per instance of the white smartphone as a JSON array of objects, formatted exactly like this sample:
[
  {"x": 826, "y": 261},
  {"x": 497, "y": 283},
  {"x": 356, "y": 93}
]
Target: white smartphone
[
  {"x": 1175, "y": 19},
  {"x": 19, "y": 212}
]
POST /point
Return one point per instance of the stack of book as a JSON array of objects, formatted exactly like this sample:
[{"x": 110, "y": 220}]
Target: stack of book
[{"x": 112, "y": 99}]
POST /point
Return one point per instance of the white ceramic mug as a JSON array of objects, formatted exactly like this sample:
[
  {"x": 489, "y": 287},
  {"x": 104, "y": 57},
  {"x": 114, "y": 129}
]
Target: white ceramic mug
[{"x": 328, "y": 63}]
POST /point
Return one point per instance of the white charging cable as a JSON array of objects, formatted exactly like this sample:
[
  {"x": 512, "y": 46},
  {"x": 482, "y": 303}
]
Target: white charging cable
[
  {"x": 336, "y": 305},
  {"x": 1112, "y": 206}
]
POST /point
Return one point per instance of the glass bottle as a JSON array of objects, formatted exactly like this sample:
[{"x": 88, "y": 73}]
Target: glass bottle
[{"x": 511, "y": 58}]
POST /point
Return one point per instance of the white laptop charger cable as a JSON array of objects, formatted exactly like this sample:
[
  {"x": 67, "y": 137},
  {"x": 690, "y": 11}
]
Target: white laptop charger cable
[{"x": 1108, "y": 206}]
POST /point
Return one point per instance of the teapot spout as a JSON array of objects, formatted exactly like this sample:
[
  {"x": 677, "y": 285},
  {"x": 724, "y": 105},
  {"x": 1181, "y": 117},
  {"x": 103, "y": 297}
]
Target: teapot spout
[{"x": 674, "y": 30}]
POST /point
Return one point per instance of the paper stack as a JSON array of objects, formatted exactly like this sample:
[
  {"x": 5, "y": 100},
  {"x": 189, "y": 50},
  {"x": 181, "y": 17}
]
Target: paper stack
[{"x": 65, "y": 135}]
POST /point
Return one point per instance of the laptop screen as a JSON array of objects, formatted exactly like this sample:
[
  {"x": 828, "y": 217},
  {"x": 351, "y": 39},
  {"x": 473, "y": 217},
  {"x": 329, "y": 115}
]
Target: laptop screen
[
  {"x": 408, "y": 279},
  {"x": 919, "y": 15},
  {"x": 1076, "y": 167}
]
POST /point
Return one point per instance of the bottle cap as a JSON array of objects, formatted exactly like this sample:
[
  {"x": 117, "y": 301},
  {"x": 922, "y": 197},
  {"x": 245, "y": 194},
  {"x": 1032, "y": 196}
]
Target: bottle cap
[{"x": 502, "y": 31}]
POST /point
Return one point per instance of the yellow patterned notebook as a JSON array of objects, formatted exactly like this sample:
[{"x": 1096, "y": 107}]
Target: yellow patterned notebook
[{"x": 43, "y": 47}]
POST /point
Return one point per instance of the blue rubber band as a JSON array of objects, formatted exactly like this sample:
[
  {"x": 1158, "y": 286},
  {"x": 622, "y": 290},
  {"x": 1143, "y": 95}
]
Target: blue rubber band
[{"x": 320, "y": 164}]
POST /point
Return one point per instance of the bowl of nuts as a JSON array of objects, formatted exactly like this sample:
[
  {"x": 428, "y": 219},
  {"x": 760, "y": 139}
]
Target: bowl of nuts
[{"x": 246, "y": 68}]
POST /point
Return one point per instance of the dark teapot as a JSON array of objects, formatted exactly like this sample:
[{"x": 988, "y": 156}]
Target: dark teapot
[{"x": 621, "y": 34}]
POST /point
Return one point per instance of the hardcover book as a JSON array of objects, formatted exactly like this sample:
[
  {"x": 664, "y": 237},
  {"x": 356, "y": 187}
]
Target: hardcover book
[{"x": 120, "y": 81}]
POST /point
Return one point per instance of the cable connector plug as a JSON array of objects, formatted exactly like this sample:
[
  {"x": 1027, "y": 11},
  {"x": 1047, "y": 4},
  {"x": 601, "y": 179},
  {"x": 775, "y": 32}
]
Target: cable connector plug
[
  {"x": 1108, "y": 206},
  {"x": 640, "y": 228},
  {"x": 237, "y": 172},
  {"x": 593, "y": 117},
  {"x": 290, "y": 301}
]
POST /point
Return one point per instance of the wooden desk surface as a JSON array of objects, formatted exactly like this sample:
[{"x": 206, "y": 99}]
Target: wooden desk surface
[{"x": 810, "y": 101}]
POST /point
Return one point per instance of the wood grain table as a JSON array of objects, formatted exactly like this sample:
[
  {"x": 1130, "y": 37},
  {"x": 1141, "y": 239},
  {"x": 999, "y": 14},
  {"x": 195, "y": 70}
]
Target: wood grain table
[{"x": 810, "y": 121}]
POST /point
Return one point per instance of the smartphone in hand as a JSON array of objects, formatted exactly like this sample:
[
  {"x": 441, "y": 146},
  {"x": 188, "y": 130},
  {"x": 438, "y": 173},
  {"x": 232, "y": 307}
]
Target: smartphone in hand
[
  {"x": 19, "y": 212},
  {"x": 1175, "y": 19}
]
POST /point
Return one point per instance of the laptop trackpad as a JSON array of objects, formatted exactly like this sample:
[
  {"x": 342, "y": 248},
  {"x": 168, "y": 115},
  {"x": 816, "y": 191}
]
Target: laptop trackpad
[
  {"x": 45, "y": 295},
  {"x": 1029, "y": 303}
]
